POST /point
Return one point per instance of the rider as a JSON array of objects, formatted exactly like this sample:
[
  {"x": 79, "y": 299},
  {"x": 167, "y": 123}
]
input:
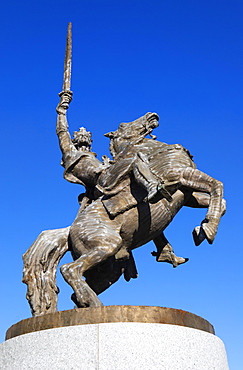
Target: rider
[{"x": 105, "y": 176}]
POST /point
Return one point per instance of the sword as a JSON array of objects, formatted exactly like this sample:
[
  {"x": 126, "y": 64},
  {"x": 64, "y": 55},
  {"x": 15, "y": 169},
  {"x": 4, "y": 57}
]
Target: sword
[
  {"x": 68, "y": 60},
  {"x": 66, "y": 94}
]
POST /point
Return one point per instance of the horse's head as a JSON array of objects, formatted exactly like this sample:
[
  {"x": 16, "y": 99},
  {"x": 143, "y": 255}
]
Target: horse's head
[{"x": 132, "y": 132}]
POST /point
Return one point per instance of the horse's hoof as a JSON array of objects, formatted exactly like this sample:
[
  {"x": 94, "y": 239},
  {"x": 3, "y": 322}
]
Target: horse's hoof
[
  {"x": 169, "y": 257},
  {"x": 74, "y": 299},
  {"x": 210, "y": 230},
  {"x": 179, "y": 261},
  {"x": 82, "y": 303},
  {"x": 198, "y": 235}
]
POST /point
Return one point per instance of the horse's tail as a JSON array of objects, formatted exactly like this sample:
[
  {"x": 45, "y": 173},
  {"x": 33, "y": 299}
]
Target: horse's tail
[{"x": 40, "y": 264}]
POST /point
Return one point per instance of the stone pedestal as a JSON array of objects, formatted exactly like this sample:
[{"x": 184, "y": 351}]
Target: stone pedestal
[{"x": 113, "y": 338}]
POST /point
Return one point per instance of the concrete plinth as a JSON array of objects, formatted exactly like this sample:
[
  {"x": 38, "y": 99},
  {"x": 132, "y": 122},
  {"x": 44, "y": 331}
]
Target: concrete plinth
[{"x": 115, "y": 346}]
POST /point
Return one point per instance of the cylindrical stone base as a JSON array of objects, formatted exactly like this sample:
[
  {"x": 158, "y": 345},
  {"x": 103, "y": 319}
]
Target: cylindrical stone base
[{"x": 115, "y": 346}]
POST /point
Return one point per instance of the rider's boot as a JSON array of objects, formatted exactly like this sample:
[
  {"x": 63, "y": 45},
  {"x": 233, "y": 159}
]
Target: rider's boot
[{"x": 152, "y": 189}]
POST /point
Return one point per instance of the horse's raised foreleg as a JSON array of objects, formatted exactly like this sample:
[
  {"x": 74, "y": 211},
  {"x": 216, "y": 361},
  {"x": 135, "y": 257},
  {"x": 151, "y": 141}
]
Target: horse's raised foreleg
[
  {"x": 199, "y": 181},
  {"x": 201, "y": 200}
]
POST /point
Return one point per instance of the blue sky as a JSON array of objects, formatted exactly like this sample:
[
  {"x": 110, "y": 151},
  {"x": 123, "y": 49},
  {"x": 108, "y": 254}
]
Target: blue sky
[{"x": 181, "y": 59}]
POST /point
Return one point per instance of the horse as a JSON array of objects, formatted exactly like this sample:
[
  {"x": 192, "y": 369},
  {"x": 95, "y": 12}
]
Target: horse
[{"x": 102, "y": 237}]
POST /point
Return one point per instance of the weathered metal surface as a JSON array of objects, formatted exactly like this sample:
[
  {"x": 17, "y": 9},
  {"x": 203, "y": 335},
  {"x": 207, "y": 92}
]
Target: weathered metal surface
[
  {"x": 129, "y": 200},
  {"x": 108, "y": 314}
]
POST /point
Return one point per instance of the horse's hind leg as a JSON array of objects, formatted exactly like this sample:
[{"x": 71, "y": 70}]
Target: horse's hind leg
[
  {"x": 84, "y": 295},
  {"x": 104, "y": 275},
  {"x": 73, "y": 272},
  {"x": 165, "y": 252}
]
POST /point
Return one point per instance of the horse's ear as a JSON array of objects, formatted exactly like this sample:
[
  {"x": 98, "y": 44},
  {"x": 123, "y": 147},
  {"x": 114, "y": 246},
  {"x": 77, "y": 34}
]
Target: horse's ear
[{"x": 110, "y": 134}]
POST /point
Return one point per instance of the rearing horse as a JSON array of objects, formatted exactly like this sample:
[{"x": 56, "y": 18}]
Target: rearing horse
[
  {"x": 116, "y": 214},
  {"x": 97, "y": 234}
]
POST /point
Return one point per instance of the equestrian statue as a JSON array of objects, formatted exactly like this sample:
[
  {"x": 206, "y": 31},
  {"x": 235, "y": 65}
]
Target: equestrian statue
[{"x": 128, "y": 201}]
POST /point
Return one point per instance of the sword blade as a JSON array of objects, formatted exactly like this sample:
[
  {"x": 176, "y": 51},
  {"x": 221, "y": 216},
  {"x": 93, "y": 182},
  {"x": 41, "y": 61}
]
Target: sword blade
[{"x": 68, "y": 60}]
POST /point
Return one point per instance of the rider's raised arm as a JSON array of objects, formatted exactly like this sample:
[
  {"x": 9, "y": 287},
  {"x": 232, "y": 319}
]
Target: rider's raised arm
[{"x": 65, "y": 141}]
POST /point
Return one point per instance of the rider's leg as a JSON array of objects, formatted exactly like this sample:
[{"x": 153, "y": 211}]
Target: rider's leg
[
  {"x": 165, "y": 252},
  {"x": 145, "y": 178}
]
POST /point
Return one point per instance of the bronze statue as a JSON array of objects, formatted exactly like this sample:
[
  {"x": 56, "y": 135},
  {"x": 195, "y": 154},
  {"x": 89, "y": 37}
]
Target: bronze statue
[{"x": 129, "y": 200}]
